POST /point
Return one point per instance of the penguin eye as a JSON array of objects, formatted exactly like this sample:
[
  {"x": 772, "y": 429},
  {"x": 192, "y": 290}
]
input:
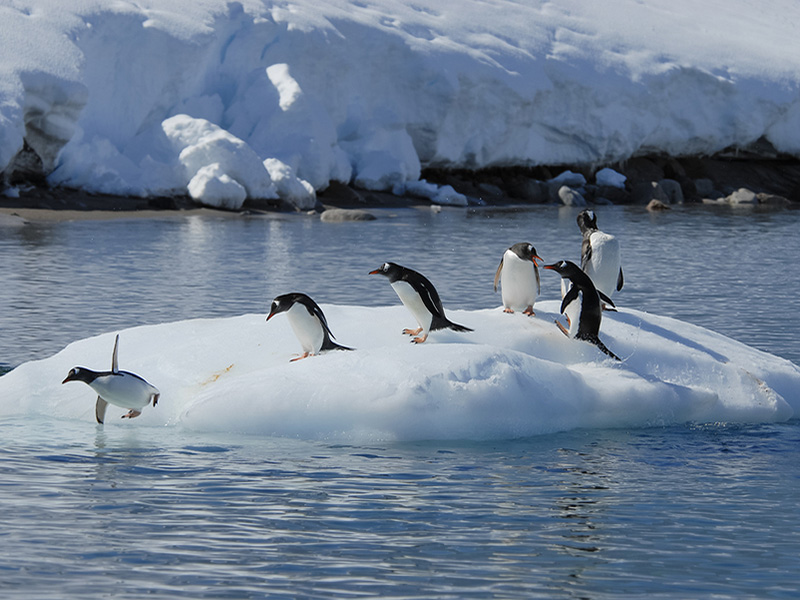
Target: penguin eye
[{"x": 385, "y": 266}]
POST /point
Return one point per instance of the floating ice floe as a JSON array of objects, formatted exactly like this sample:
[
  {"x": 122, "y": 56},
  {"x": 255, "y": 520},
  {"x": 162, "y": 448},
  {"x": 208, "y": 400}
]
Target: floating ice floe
[{"x": 514, "y": 376}]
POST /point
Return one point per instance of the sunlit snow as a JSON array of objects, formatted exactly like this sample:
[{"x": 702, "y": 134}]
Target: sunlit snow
[{"x": 371, "y": 92}]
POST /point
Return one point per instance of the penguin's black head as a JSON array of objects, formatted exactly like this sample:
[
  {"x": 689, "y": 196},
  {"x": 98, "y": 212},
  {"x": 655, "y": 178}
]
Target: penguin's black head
[
  {"x": 388, "y": 269},
  {"x": 587, "y": 220},
  {"x": 281, "y": 304},
  {"x": 80, "y": 374},
  {"x": 526, "y": 251},
  {"x": 567, "y": 269}
]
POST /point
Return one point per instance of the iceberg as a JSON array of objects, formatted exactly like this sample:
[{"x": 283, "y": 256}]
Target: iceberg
[{"x": 513, "y": 377}]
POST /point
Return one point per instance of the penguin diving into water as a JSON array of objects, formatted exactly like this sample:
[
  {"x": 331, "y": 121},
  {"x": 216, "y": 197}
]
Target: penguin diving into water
[
  {"x": 420, "y": 297},
  {"x": 116, "y": 387},
  {"x": 518, "y": 274},
  {"x": 585, "y": 325},
  {"x": 307, "y": 321},
  {"x": 600, "y": 255}
]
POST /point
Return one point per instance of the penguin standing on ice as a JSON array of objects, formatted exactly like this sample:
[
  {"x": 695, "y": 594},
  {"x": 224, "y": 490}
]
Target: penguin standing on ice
[
  {"x": 518, "y": 274},
  {"x": 116, "y": 387},
  {"x": 307, "y": 321},
  {"x": 586, "y": 324},
  {"x": 600, "y": 255},
  {"x": 420, "y": 297}
]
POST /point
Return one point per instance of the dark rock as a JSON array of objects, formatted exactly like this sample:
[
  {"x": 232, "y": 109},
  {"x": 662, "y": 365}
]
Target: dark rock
[
  {"x": 772, "y": 200},
  {"x": 642, "y": 169},
  {"x": 673, "y": 190},
  {"x": 644, "y": 191}
]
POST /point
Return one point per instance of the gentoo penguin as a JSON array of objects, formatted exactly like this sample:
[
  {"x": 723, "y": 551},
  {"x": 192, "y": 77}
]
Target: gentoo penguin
[
  {"x": 585, "y": 325},
  {"x": 600, "y": 256},
  {"x": 420, "y": 297},
  {"x": 518, "y": 274},
  {"x": 116, "y": 387},
  {"x": 307, "y": 321}
]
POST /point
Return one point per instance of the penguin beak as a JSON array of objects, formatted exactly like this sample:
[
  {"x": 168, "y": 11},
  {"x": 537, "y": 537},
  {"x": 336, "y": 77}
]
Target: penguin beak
[
  {"x": 534, "y": 257},
  {"x": 67, "y": 378},
  {"x": 375, "y": 272},
  {"x": 551, "y": 267},
  {"x": 270, "y": 315}
]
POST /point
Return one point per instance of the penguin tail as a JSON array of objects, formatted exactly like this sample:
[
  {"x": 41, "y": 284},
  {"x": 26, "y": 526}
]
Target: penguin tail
[
  {"x": 329, "y": 344},
  {"x": 443, "y": 323},
  {"x": 593, "y": 339}
]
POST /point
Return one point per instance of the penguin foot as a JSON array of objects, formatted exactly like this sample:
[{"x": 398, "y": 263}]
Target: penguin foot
[
  {"x": 132, "y": 414},
  {"x": 420, "y": 339},
  {"x": 301, "y": 357},
  {"x": 608, "y": 308},
  {"x": 508, "y": 310},
  {"x": 529, "y": 311},
  {"x": 413, "y": 332},
  {"x": 562, "y": 328}
]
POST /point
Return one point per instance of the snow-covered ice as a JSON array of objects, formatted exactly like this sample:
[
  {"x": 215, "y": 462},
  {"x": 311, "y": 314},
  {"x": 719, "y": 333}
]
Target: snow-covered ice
[
  {"x": 372, "y": 92},
  {"x": 514, "y": 376}
]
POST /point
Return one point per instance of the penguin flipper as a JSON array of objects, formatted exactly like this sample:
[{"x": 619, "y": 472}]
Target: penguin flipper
[
  {"x": 100, "y": 410},
  {"x": 586, "y": 252},
  {"x": 572, "y": 294},
  {"x": 497, "y": 274},
  {"x": 620, "y": 280},
  {"x": 606, "y": 299},
  {"x": 114, "y": 357}
]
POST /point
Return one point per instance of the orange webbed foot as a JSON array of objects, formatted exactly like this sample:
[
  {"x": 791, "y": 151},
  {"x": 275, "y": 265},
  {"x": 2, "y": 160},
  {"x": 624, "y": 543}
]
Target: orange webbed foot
[
  {"x": 508, "y": 310},
  {"x": 301, "y": 357},
  {"x": 412, "y": 331},
  {"x": 529, "y": 311},
  {"x": 132, "y": 414},
  {"x": 421, "y": 339}
]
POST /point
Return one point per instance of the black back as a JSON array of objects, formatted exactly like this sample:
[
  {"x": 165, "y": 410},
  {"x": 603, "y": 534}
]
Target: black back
[
  {"x": 284, "y": 302},
  {"x": 423, "y": 286}
]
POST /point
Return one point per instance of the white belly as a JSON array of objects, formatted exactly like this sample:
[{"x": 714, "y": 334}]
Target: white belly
[
  {"x": 603, "y": 268},
  {"x": 573, "y": 312},
  {"x": 518, "y": 282},
  {"x": 124, "y": 390},
  {"x": 412, "y": 301},
  {"x": 306, "y": 327}
]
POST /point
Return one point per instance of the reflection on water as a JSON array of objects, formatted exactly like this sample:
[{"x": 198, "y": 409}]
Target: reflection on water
[{"x": 722, "y": 269}]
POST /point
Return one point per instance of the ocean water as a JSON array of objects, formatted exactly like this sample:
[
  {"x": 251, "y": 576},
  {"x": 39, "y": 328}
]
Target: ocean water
[{"x": 125, "y": 511}]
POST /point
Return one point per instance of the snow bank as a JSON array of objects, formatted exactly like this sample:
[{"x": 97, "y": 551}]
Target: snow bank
[
  {"x": 514, "y": 376},
  {"x": 372, "y": 92}
]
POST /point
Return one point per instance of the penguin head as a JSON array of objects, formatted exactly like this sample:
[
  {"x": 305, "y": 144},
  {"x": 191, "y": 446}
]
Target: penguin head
[
  {"x": 389, "y": 269},
  {"x": 80, "y": 374},
  {"x": 587, "y": 220},
  {"x": 281, "y": 304},
  {"x": 566, "y": 268},
  {"x": 526, "y": 251}
]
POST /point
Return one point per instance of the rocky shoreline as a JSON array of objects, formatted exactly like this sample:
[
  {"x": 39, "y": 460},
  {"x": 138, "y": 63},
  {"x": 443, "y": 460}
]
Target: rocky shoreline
[{"x": 655, "y": 182}]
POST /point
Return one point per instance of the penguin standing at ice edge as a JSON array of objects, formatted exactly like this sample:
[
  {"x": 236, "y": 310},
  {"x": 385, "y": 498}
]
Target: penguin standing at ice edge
[
  {"x": 586, "y": 325},
  {"x": 600, "y": 256},
  {"x": 307, "y": 321},
  {"x": 116, "y": 387},
  {"x": 518, "y": 274},
  {"x": 420, "y": 297}
]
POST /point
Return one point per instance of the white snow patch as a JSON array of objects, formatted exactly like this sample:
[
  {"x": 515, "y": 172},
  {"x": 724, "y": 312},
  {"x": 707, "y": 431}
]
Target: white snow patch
[{"x": 514, "y": 376}]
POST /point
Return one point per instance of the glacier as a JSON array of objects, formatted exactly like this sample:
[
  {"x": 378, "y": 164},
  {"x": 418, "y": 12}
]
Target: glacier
[{"x": 163, "y": 97}]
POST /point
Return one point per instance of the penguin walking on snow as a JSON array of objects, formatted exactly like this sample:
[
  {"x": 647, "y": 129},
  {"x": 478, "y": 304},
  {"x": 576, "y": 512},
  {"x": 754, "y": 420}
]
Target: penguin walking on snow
[
  {"x": 116, "y": 387},
  {"x": 420, "y": 297},
  {"x": 586, "y": 324},
  {"x": 518, "y": 274},
  {"x": 307, "y": 321},
  {"x": 600, "y": 255}
]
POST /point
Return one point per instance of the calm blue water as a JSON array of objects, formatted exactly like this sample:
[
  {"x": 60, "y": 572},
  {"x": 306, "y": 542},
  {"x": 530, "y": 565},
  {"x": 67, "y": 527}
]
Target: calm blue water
[{"x": 128, "y": 511}]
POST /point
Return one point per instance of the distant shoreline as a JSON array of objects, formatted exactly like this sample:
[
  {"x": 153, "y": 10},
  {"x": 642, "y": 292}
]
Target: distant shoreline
[{"x": 776, "y": 178}]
